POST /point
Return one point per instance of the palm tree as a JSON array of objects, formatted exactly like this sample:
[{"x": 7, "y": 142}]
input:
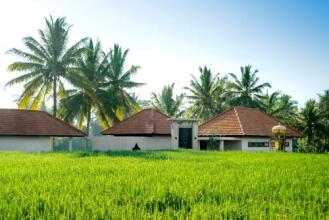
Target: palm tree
[
  {"x": 45, "y": 64},
  {"x": 247, "y": 89},
  {"x": 87, "y": 76},
  {"x": 287, "y": 109},
  {"x": 118, "y": 102},
  {"x": 143, "y": 103},
  {"x": 324, "y": 111},
  {"x": 324, "y": 103},
  {"x": 269, "y": 103},
  {"x": 205, "y": 94},
  {"x": 311, "y": 121},
  {"x": 167, "y": 103},
  {"x": 279, "y": 105}
]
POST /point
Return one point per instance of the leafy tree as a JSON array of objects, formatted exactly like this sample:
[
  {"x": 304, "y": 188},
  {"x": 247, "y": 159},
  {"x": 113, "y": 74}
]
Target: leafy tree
[
  {"x": 280, "y": 106},
  {"x": 288, "y": 110},
  {"x": 143, "y": 103},
  {"x": 324, "y": 103},
  {"x": 269, "y": 103},
  {"x": 45, "y": 64},
  {"x": 117, "y": 101},
  {"x": 311, "y": 121},
  {"x": 101, "y": 85},
  {"x": 247, "y": 89},
  {"x": 88, "y": 75},
  {"x": 324, "y": 112},
  {"x": 205, "y": 94},
  {"x": 167, "y": 103},
  {"x": 223, "y": 98}
]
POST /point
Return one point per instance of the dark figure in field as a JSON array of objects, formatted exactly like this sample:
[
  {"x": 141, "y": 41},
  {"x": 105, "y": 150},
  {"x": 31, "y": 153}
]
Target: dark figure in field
[{"x": 136, "y": 147}]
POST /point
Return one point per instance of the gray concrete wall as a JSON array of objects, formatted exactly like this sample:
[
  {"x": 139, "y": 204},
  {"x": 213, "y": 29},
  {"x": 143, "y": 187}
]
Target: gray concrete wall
[
  {"x": 261, "y": 149},
  {"x": 232, "y": 145},
  {"x": 181, "y": 123},
  {"x": 27, "y": 144},
  {"x": 109, "y": 142}
]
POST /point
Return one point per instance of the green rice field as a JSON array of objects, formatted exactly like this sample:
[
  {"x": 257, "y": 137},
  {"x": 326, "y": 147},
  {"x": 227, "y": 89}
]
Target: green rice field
[{"x": 164, "y": 185}]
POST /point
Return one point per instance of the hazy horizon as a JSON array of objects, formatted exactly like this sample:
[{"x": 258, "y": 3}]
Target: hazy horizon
[{"x": 287, "y": 41}]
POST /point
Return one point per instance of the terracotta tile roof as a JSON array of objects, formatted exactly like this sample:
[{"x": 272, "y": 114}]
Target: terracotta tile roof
[
  {"x": 14, "y": 122},
  {"x": 239, "y": 121},
  {"x": 146, "y": 122}
]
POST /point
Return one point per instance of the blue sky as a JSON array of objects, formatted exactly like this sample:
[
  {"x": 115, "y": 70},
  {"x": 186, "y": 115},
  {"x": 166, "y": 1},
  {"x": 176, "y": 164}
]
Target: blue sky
[{"x": 286, "y": 40}]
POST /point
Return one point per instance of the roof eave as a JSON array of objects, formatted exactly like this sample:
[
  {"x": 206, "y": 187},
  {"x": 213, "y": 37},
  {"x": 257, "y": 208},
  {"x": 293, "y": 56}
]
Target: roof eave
[
  {"x": 42, "y": 135},
  {"x": 137, "y": 134},
  {"x": 243, "y": 135}
]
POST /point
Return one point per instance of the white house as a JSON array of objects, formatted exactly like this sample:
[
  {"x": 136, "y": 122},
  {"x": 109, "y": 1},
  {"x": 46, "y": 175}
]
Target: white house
[
  {"x": 28, "y": 130},
  {"x": 147, "y": 130},
  {"x": 245, "y": 129}
]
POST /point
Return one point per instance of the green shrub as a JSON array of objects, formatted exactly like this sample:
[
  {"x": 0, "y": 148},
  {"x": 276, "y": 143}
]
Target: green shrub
[{"x": 212, "y": 144}]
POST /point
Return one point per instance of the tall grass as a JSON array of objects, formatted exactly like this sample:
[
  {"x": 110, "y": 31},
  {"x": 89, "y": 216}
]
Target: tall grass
[{"x": 164, "y": 184}]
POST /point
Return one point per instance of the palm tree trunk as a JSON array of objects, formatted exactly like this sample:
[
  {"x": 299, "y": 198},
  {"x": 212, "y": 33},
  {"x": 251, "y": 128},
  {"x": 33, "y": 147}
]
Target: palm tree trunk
[
  {"x": 88, "y": 119},
  {"x": 55, "y": 97},
  {"x": 88, "y": 124},
  {"x": 54, "y": 105},
  {"x": 309, "y": 138}
]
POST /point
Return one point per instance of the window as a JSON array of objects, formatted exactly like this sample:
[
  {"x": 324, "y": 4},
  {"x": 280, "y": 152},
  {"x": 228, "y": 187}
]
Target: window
[
  {"x": 258, "y": 144},
  {"x": 286, "y": 144}
]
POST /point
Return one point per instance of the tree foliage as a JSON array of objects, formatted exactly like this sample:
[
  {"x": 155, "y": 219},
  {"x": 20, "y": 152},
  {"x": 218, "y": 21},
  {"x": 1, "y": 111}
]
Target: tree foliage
[
  {"x": 205, "y": 94},
  {"x": 118, "y": 82},
  {"x": 280, "y": 106},
  {"x": 167, "y": 103},
  {"x": 246, "y": 90},
  {"x": 311, "y": 121},
  {"x": 88, "y": 75},
  {"x": 100, "y": 81},
  {"x": 45, "y": 64}
]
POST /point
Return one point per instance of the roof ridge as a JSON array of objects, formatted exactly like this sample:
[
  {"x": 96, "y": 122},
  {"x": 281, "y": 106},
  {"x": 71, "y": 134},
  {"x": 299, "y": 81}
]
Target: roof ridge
[
  {"x": 136, "y": 114},
  {"x": 26, "y": 110},
  {"x": 245, "y": 122},
  {"x": 64, "y": 123},
  {"x": 43, "y": 123},
  {"x": 285, "y": 124},
  {"x": 158, "y": 111},
  {"x": 124, "y": 120},
  {"x": 150, "y": 122},
  {"x": 220, "y": 114},
  {"x": 238, "y": 117},
  {"x": 243, "y": 107}
]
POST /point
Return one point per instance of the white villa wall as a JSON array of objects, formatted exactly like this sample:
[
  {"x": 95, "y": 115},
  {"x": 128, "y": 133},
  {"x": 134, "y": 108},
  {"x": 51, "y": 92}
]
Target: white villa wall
[
  {"x": 195, "y": 131},
  {"x": 261, "y": 149},
  {"x": 232, "y": 145},
  {"x": 182, "y": 123},
  {"x": 244, "y": 143},
  {"x": 289, "y": 149},
  {"x": 174, "y": 135},
  {"x": 109, "y": 142},
  {"x": 26, "y": 144}
]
